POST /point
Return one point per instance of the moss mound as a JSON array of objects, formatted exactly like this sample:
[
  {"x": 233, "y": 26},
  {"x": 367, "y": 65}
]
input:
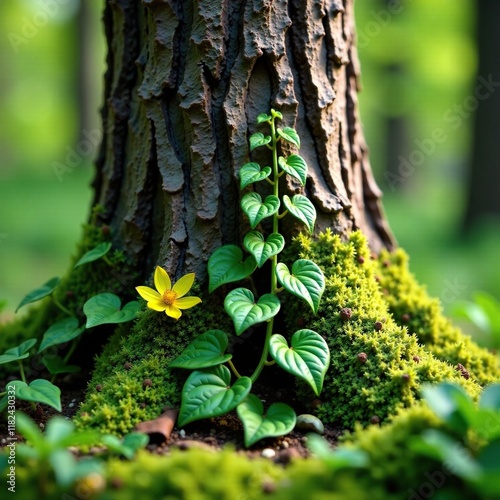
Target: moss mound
[
  {"x": 377, "y": 366},
  {"x": 422, "y": 315},
  {"x": 132, "y": 382}
]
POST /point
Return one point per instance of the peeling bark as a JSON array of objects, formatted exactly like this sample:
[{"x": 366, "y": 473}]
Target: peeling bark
[{"x": 186, "y": 80}]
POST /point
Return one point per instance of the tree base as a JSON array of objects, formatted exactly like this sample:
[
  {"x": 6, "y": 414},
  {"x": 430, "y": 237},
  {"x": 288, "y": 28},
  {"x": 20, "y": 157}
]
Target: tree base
[{"x": 394, "y": 340}]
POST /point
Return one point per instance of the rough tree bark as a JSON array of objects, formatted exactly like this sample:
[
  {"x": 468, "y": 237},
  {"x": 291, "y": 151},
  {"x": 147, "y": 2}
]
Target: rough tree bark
[{"x": 186, "y": 80}]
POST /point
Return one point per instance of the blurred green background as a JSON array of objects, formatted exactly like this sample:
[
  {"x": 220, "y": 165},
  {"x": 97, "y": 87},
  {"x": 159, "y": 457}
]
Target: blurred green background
[{"x": 419, "y": 59}]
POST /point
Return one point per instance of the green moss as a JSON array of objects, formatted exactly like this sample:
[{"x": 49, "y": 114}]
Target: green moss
[
  {"x": 195, "y": 475},
  {"x": 393, "y": 471},
  {"x": 422, "y": 315},
  {"x": 118, "y": 397},
  {"x": 396, "y": 365},
  {"x": 393, "y": 464}
]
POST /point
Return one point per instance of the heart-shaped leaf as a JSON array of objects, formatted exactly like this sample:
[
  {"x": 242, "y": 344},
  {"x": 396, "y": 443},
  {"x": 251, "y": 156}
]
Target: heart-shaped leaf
[
  {"x": 40, "y": 391},
  {"x": 263, "y": 249},
  {"x": 279, "y": 420},
  {"x": 61, "y": 332},
  {"x": 290, "y": 135},
  {"x": 105, "y": 308},
  {"x": 56, "y": 365},
  {"x": 18, "y": 352},
  {"x": 301, "y": 208},
  {"x": 226, "y": 265},
  {"x": 205, "y": 351},
  {"x": 263, "y": 117},
  {"x": 251, "y": 172},
  {"x": 306, "y": 281},
  {"x": 277, "y": 114},
  {"x": 255, "y": 210},
  {"x": 96, "y": 253},
  {"x": 258, "y": 139},
  {"x": 240, "y": 305},
  {"x": 296, "y": 166},
  {"x": 39, "y": 293},
  {"x": 308, "y": 357},
  {"x": 208, "y": 393}
]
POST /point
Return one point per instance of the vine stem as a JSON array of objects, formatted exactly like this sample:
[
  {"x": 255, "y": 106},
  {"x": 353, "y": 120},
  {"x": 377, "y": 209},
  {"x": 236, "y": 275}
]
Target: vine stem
[
  {"x": 61, "y": 307},
  {"x": 23, "y": 378},
  {"x": 21, "y": 371},
  {"x": 274, "y": 259},
  {"x": 233, "y": 368}
]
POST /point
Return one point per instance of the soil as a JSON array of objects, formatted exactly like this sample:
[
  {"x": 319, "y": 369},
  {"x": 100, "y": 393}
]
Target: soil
[{"x": 211, "y": 434}]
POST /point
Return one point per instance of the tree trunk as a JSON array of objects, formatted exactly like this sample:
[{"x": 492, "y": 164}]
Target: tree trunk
[
  {"x": 185, "y": 82},
  {"x": 484, "y": 175}
]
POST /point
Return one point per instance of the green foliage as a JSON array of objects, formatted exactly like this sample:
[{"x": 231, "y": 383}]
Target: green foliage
[
  {"x": 376, "y": 368},
  {"x": 413, "y": 309},
  {"x": 54, "y": 468},
  {"x": 50, "y": 451},
  {"x": 40, "y": 293},
  {"x": 39, "y": 390},
  {"x": 226, "y": 265},
  {"x": 208, "y": 391},
  {"x": 483, "y": 311},
  {"x": 128, "y": 446},
  {"x": 104, "y": 308},
  {"x": 17, "y": 353},
  {"x": 305, "y": 281},
  {"x": 263, "y": 248},
  {"x": 256, "y": 210},
  {"x": 307, "y": 357},
  {"x": 117, "y": 398},
  {"x": 63, "y": 331},
  {"x": 240, "y": 305},
  {"x": 465, "y": 425},
  {"x": 95, "y": 253},
  {"x": 279, "y": 419},
  {"x": 204, "y": 351},
  {"x": 100, "y": 309}
]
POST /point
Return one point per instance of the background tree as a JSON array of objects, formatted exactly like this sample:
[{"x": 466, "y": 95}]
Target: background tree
[{"x": 484, "y": 175}]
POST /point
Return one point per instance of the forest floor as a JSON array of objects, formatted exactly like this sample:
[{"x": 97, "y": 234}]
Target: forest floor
[{"x": 211, "y": 434}]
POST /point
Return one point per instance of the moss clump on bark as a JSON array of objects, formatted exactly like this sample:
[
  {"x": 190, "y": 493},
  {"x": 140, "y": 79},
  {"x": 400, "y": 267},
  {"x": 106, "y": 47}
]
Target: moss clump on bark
[
  {"x": 411, "y": 306},
  {"x": 132, "y": 381},
  {"x": 377, "y": 367}
]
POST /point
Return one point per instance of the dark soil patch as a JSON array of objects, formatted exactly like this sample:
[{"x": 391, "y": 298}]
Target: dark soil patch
[{"x": 212, "y": 434}]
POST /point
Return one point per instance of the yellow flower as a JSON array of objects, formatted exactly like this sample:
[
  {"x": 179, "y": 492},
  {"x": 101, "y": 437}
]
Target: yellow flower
[{"x": 169, "y": 298}]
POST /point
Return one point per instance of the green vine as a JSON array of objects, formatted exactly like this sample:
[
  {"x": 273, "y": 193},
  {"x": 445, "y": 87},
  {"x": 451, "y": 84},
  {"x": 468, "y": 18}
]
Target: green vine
[{"x": 208, "y": 391}]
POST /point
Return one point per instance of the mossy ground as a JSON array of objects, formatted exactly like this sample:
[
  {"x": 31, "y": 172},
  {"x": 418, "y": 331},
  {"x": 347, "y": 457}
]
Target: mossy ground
[
  {"x": 387, "y": 337},
  {"x": 377, "y": 365}
]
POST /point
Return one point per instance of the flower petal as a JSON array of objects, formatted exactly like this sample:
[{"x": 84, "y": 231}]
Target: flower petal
[
  {"x": 162, "y": 280},
  {"x": 172, "y": 311},
  {"x": 148, "y": 293},
  {"x": 157, "y": 305},
  {"x": 187, "y": 302},
  {"x": 184, "y": 285}
]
